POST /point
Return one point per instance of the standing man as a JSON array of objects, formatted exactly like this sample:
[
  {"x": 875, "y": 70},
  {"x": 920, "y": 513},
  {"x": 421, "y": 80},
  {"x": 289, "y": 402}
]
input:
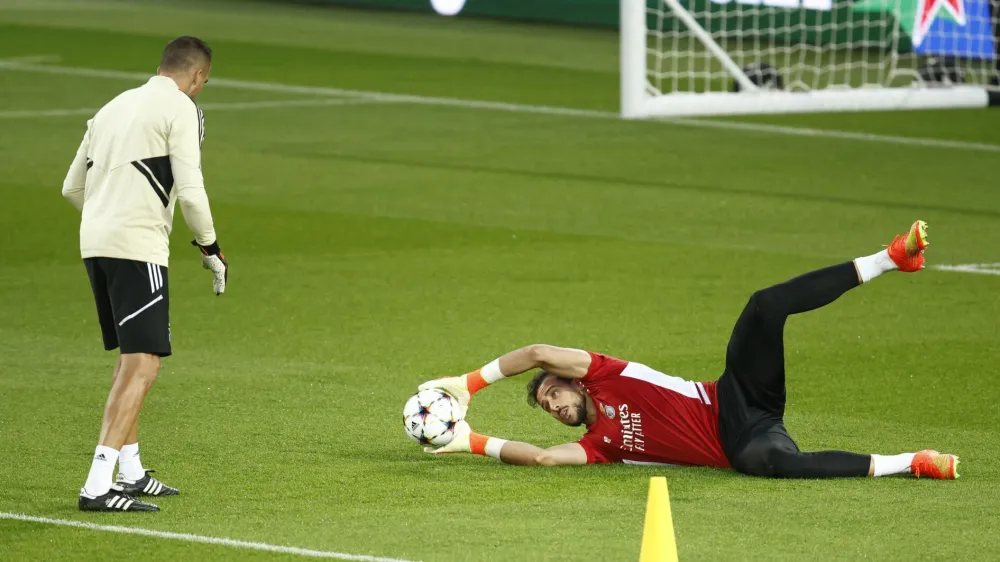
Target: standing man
[{"x": 140, "y": 155}]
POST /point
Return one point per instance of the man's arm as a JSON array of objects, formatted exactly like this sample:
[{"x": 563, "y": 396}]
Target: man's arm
[
  {"x": 560, "y": 361},
  {"x": 76, "y": 178},
  {"x": 184, "y": 147},
  {"x": 515, "y": 452},
  {"x": 511, "y": 452}
]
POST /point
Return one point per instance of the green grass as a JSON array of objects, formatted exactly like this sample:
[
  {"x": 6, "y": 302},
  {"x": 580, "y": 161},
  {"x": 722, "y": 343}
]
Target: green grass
[{"x": 376, "y": 246}]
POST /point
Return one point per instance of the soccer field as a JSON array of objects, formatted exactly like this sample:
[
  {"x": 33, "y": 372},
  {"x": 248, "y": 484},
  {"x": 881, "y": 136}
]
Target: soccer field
[{"x": 404, "y": 197}]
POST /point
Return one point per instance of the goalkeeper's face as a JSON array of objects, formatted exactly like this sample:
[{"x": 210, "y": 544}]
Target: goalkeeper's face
[{"x": 563, "y": 400}]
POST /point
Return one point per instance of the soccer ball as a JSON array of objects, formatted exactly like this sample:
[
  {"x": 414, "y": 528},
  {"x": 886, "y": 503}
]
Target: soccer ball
[
  {"x": 940, "y": 72},
  {"x": 762, "y": 75},
  {"x": 429, "y": 417}
]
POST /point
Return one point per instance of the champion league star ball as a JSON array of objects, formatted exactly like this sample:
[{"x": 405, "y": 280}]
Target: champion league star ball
[{"x": 430, "y": 416}]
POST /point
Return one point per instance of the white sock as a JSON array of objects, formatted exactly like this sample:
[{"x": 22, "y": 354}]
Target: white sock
[
  {"x": 129, "y": 463},
  {"x": 100, "y": 478},
  {"x": 893, "y": 464},
  {"x": 870, "y": 267}
]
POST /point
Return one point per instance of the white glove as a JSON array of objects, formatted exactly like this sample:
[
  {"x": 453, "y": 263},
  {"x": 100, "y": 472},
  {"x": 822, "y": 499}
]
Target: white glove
[
  {"x": 458, "y": 387},
  {"x": 459, "y": 444},
  {"x": 213, "y": 260}
]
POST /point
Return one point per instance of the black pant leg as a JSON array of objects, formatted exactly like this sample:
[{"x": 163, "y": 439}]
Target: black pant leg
[
  {"x": 755, "y": 355},
  {"x": 774, "y": 454},
  {"x": 809, "y": 291}
]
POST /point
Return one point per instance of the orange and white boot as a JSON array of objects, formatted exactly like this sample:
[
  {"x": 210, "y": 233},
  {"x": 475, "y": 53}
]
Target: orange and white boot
[
  {"x": 932, "y": 464},
  {"x": 907, "y": 251}
]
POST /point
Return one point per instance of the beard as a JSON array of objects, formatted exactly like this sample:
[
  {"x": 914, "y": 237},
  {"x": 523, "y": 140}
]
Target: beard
[{"x": 581, "y": 414}]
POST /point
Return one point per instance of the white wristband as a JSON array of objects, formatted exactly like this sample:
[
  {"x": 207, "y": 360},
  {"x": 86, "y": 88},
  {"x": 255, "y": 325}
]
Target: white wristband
[
  {"x": 491, "y": 373},
  {"x": 493, "y": 446}
]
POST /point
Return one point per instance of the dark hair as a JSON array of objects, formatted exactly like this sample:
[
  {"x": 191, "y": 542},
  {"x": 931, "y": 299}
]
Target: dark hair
[
  {"x": 185, "y": 53},
  {"x": 536, "y": 383}
]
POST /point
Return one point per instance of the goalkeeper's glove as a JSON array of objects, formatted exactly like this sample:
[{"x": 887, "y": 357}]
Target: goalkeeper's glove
[
  {"x": 457, "y": 387},
  {"x": 461, "y": 443},
  {"x": 463, "y": 387},
  {"x": 213, "y": 260},
  {"x": 468, "y": 441}
]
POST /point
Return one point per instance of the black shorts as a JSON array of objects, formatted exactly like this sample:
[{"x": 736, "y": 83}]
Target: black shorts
[
  {"x": 133, "y": 304},
  {"x": 751, "y": 391}
]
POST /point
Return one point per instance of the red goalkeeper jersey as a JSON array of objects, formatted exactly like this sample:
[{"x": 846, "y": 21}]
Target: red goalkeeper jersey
[{"x": 647, "y": 417}]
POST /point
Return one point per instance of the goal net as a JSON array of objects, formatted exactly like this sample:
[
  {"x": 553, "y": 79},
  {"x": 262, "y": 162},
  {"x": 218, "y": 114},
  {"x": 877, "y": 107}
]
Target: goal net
[{"x": 707, "y": 57}]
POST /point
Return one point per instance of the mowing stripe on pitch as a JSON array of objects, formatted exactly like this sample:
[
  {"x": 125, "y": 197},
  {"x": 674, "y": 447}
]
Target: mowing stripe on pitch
[
  {"x": 199, "y": 539},
  {"x": 514, "y": 107}
]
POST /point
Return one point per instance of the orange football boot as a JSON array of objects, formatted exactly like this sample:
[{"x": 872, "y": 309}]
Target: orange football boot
[
  {"x": 907, "y": 252},
  {"x": 933, "y": 464}
]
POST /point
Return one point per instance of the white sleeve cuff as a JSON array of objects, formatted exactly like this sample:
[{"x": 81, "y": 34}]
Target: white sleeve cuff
[
  {"x": 491, "y": 373},
  {"x": 493, "y": 446}
]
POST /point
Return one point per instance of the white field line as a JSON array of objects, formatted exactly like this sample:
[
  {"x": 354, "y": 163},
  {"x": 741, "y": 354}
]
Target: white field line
[
  {"x": 982, "y": 268},
  {"x": 31, "y": 59},
  {"x": 185, "y": 537},
  {"x": 315, "y": 90},
  {"x": 49, "y": 5},
  {"x": 513, "y": 107},
  {"x": 219, "y": 106},
  {"x": 844, "y": 135},
  {"x": 277, "y": 104},
  {"x": 35, "y": 113}
]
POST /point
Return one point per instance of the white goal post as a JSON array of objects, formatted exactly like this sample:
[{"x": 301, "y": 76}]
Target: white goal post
[{"x": 726, "y": 57}]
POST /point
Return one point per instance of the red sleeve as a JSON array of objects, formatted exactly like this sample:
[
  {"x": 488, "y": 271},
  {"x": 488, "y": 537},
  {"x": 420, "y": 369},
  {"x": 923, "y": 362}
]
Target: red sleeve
[
  {"x": 603, "y": 366},
  {"x": 589, "y": 442}
]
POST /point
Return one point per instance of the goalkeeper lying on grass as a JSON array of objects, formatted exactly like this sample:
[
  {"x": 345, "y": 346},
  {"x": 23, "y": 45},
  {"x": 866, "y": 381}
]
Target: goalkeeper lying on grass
[{"x": 635, "y": 414}]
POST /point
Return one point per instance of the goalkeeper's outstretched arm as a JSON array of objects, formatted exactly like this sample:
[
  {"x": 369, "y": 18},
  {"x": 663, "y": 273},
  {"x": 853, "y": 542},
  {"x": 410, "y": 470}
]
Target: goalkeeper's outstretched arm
[
  {"x": 511, "y": 452},
  {"x": 516, "y": 452},
  {"x": 560, "y": 361}
]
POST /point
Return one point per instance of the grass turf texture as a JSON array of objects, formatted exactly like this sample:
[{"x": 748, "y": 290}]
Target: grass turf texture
[{"x": 376, "y": 246}]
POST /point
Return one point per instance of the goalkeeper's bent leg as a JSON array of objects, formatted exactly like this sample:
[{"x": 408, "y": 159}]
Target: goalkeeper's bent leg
[
  {"x": 774, "y": 454},
  {"x": 821, "y": 287},
  {"x": 806, "y": 292},
  {"x": 822, "y": 464}
]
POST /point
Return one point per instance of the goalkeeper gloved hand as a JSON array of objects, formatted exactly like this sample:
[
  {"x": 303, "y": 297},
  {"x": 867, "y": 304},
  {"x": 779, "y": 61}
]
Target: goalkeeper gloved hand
[
  {"x": 463, "y": 387},
  {"x": 213, "y": 260},
  {"x": 461, "y": 443},
  {"x": 457, "y": 387},
  {"x": 468, "y": 441}
]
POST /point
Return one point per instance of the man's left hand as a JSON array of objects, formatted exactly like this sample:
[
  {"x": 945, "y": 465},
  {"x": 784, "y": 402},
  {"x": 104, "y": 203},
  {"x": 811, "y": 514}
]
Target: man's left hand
[
  {"x": 213, "y": 260},
  {"x": 460, "y": 444}
]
